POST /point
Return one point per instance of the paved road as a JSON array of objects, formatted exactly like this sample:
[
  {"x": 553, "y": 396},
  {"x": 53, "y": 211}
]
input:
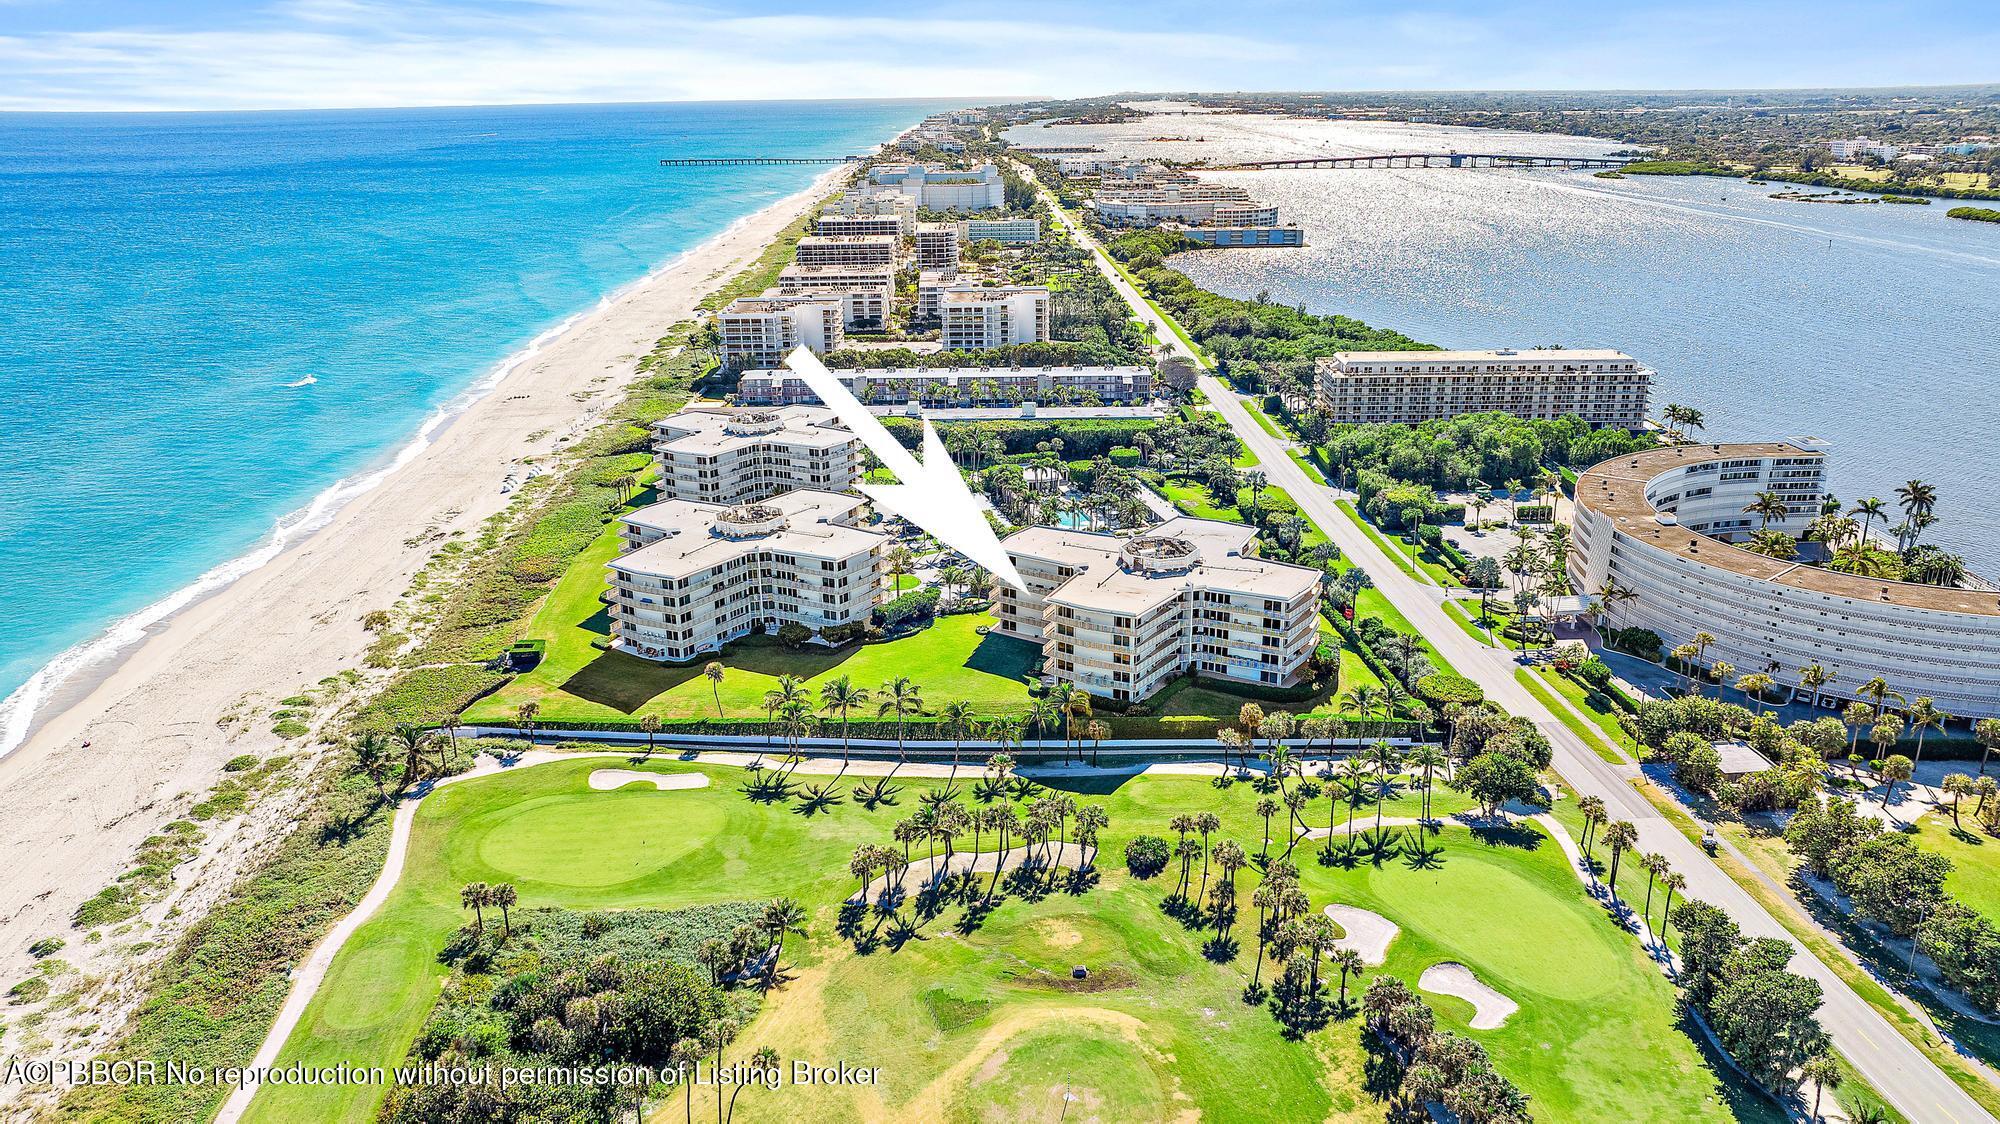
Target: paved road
[{"x": 1891, "y": 1064}]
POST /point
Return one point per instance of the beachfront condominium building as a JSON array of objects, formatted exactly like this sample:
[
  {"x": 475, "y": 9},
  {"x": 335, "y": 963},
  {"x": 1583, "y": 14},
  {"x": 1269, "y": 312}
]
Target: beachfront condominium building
[
  {"x": 867, "y": 199},
  {"x": 849, "y": 226},
  {"x": 958, "y": 386},
  {"x": 980, "y": 316},
  {"x": 738, "y": 456},
  {"x": 937, "y": 245},
  {"x": 847, "y": 249},
  {"x": 866, "y": 292},
  {"x": 1121, "y": 616},
  {"x": 761, "y": 331},
  {"x": 931, "y": 284},
  {"x": 697, "y": 575},
  {"x": 942, "y": 189},
  {"x": 1604, "y": 388},
  {"x": 1657, "y": 524},
  {"x": 1007, "y": 232}
]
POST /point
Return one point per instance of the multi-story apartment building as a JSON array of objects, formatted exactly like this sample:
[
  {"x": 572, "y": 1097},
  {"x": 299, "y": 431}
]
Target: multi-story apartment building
[
  {"x": 1007, "y": 232},
  {"x": 697, "y": 575},
  {"x": 847, "y": 249},
  {"x": 931, "y": 284},
  {"x": 937, "y": 245},
  {"x": 1230, "y": 236},
  {"x": 1604, "y": 388},
  {"x": 1121, "y": 616},
  {"x": 943, "y": 189},
  {"x": 761, "y": 331},
  {"x": 866, "y": 292},
  {"x": 1656, "y": 524},
  {"x": 980, "y": 316},
  {"x": 964, "y": 386},
  {"x": 833, "y": 225},
  {"x": 739, "y": 456},
  {"x": 869, "y": 200}
]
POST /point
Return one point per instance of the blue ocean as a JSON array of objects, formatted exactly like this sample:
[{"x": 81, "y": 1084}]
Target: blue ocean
[{"x": 208, "y": 320}]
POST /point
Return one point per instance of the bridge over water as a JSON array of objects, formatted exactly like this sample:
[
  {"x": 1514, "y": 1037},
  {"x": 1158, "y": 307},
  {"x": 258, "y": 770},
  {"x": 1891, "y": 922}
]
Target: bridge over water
[{"x": 1426, "y": 160}]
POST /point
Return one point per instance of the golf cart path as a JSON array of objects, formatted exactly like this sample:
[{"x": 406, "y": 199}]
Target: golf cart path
[{"x": 311, "y": 972}]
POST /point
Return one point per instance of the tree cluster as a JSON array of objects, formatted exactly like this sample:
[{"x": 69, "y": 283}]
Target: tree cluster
[
  {"x": 1762, "y": 1014},
  {"x": 1433, "y": 1067}
]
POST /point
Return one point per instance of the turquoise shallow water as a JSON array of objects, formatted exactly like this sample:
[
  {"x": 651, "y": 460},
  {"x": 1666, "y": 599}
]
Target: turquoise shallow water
[{"x": 207, "y": 320}]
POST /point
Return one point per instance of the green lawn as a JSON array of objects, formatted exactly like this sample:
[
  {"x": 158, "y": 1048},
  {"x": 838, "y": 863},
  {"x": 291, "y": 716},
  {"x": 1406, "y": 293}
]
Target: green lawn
[
  {"x": 1974, "y": 855},
  {"x": 986, "y": 1024},
  {"x": 1600, "y": 731}
]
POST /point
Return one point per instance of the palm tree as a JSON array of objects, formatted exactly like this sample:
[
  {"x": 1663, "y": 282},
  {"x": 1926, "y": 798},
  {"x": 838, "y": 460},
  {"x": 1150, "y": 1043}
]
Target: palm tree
[
  {"x": 839, "y": 697},
  {"x": 901, "y": 697},
  {"x": 1348, "y": 962},
  {"x": 712, "y": 671},
  {"x": 1384, "y": 758},
  {"x": 525, "y": 716},
  {"x": 1428, "y": 758},
  {"x": 1092, "y": 818},
  {"x": 781, "y": 917},
  {"x": 1925, "y": 716},
  {"x": 1622, "y": 836},
  {"x": 1361, "y": 700},
  {"x": 954, "y": 722},
  {"x": 1885, "y": 733},
  {"x": 1610, "y": 595},
  {"x": 1878, "y": 690},
  {"x": 1812, "y": 677},
  {"x": 1897, "y": 768},
  {"x": 1097, "y": 732},
  {"x": 1870, "y": 510},
  {"x": 1674, "y": 881},
  {"x": 504, "y": 896},
  {"x": 1041, "y": 716},
  {"x": 1987, "y": 732},
  {"x": 475, "y": 896},
  {"x": 1721, "y": 670},
  {"x": 1654, "y": 866},
  {"x": 790, "y": 689},
  {"x": 1767, "y": 506},
  {"x": 1957, "y": 785},
  {"x": 1823, "y": 1072},
  {"x": 1267, "y": 807},
  {"x": 1855, "y": 716},
  {"x": 1594, "y": 816},
  {"x": 1754, "y": 685},
  {"x": 1062, "y": 696}
]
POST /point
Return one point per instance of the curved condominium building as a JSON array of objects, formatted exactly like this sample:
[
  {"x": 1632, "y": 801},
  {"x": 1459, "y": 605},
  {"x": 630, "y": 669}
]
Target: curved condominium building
[{"x": 1658, "y": 523}]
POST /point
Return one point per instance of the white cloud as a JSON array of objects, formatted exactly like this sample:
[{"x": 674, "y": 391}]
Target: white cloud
[{"x": 323, "y": 53}]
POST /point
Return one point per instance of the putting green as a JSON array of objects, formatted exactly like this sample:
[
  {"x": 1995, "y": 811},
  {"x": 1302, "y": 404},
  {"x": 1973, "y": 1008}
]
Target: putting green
[{"x": 985, "y": 1024}]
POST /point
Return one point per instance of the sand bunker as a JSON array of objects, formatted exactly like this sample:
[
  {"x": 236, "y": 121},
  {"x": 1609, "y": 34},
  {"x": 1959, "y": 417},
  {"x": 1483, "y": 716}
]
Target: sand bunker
[
  {"x": 1367, "y": 933},
  {"x": 605, "y": 779},
  {"x": 1490, "y": 1009}
]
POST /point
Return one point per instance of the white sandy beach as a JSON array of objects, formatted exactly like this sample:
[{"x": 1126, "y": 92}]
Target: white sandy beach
[{"x": 134, "y": 750}]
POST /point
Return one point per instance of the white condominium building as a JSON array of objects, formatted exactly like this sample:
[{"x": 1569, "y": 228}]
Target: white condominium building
[
  {"x": 931, "y": 284},
  {"x": 697, "y": 575},
  {"x": 1120, "y": 617},
  {"x": 1654, "y": 523},
  {"x": 847, "y": 249},
  {"x": 970, "y": 386},
  {"x": 937, "y": 245},
  {"x": 978, "y": 316},
  {"x": 737, "y": 456},
  {"x": 761, "y": 331},
  {"x": 943, "y": 189},
  {"x": 849, "y": 226},
  {"x": 866, "y": 292},
  {"x": 878, "y": 201},
  {"x": 1604, "y": 388},
  {"x": 1007, "y": 232}
]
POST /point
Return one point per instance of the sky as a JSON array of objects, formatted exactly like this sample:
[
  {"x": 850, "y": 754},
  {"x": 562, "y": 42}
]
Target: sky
[{"x": 303, "y": 54}]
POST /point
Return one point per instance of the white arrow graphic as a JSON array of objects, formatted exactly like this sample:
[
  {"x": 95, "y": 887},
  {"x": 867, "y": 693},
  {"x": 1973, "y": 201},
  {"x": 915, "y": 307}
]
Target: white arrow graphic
[{"x": 932, "y": 494}]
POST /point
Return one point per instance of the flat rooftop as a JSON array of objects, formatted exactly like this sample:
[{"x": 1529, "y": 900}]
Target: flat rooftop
[
  {"x": 1616, "y": 489},
  {"x": 1103, "y": 582},
  {"x": 1497, "y": 356},
  {"x": 806, "y": 523},
  {"x": 707, "y": 430}
]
